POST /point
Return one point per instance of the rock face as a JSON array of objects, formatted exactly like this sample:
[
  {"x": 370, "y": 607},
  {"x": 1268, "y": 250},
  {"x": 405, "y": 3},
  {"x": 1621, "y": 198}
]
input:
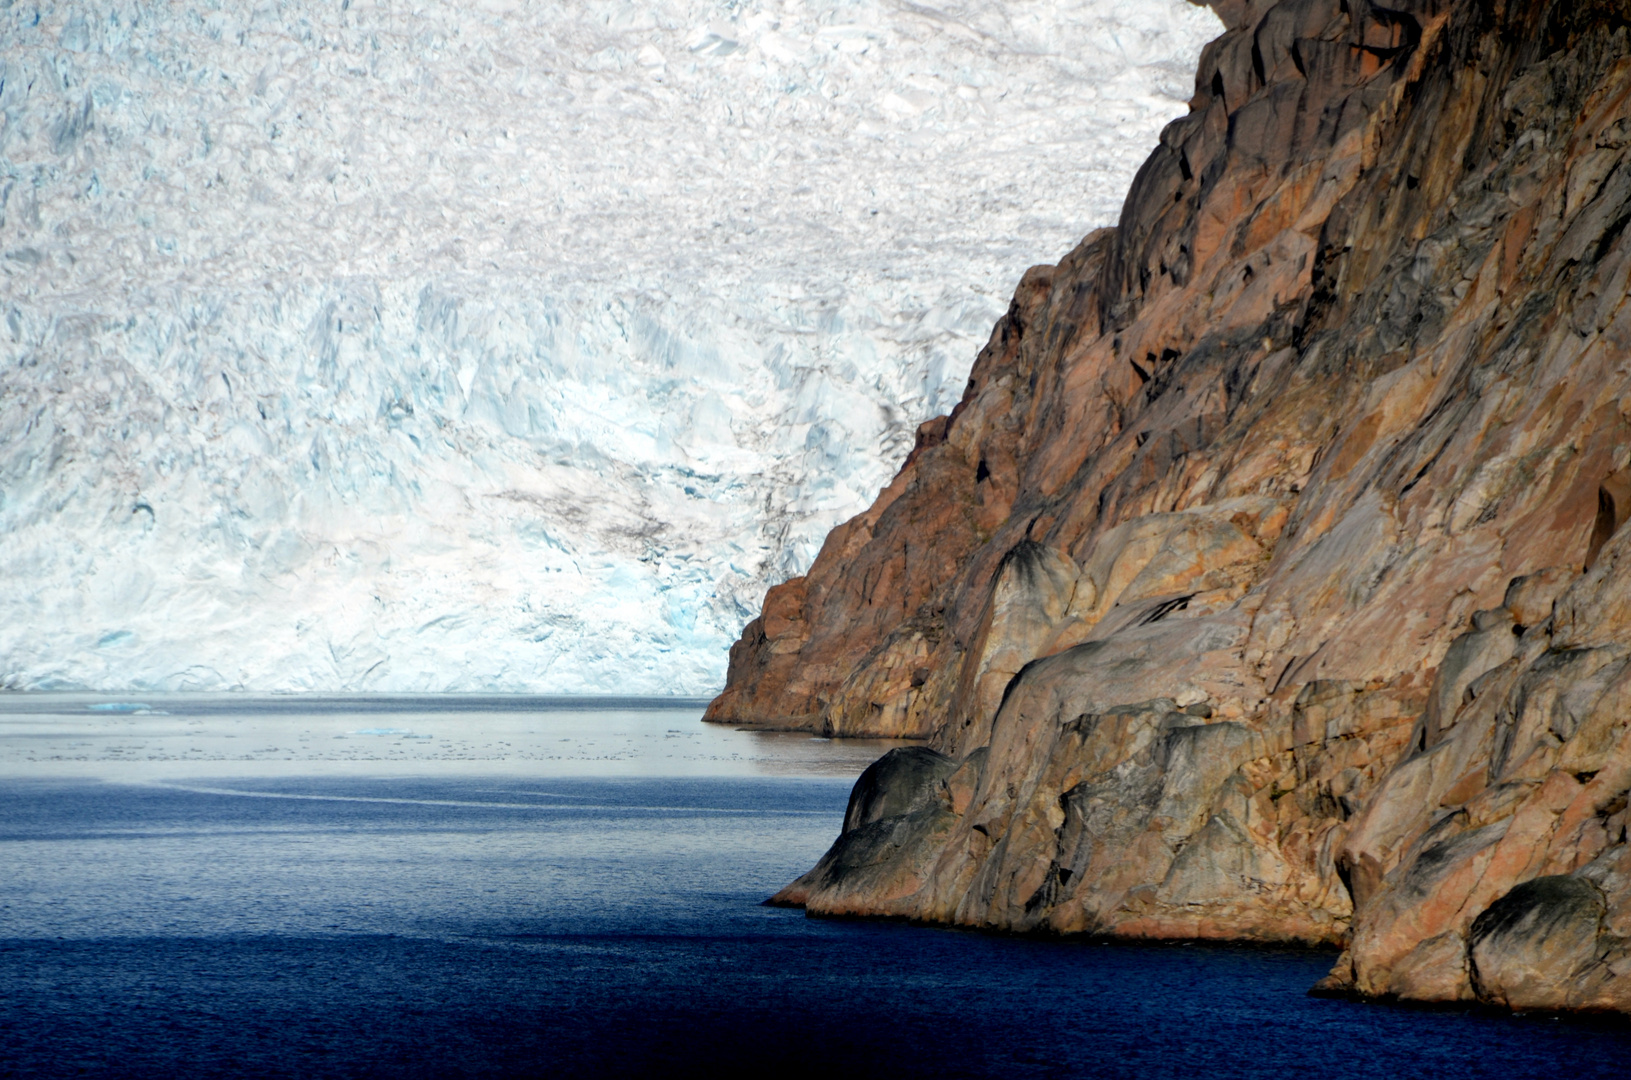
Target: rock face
[{"x": 1269, "y": 580}]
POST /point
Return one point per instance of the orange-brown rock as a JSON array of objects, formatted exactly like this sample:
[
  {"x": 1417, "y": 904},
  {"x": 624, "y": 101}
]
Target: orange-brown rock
[{"x": 1270, "y": 582}]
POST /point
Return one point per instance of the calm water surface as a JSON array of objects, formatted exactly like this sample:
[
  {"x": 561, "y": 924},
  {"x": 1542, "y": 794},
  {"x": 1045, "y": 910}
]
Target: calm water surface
[{"x": 503, "y": 887}]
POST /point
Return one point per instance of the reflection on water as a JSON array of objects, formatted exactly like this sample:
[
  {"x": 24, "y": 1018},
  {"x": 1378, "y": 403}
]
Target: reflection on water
[{"x": 515, "y": 905}]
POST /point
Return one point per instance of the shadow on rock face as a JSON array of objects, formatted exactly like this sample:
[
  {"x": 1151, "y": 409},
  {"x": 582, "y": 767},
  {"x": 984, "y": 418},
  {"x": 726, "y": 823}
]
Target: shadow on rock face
[
  {"x": 902, "y": 781},
  {"x": 1542, "y": 933},
  {"x": 898, "y": 818},
  {"x": 1613, "y": 507}
]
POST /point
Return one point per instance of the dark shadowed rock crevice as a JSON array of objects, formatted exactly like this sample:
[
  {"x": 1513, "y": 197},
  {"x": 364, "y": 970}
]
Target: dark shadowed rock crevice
[{"x": 1270, "y": 581}]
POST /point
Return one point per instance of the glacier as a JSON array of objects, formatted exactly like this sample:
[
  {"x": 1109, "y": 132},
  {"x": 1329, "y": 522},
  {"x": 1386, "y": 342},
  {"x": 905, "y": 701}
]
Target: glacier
[{"x": 504, "y": 346}]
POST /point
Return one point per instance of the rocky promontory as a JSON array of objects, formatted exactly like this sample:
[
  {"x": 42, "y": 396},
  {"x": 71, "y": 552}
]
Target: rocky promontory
[{"x": 1268, "y": 582}]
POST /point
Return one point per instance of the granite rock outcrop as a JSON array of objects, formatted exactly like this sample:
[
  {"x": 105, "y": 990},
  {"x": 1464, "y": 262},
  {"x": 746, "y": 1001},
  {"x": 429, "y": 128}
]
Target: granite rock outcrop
[{"x": 1269, "y": 581}]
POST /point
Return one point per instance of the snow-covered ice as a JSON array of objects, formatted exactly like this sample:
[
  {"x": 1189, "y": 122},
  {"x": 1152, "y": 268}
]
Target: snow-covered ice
[{"x": 499, "y": 345}]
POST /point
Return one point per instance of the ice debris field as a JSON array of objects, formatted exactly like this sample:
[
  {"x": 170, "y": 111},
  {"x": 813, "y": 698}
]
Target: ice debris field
[{"x": 504, "y": 346}]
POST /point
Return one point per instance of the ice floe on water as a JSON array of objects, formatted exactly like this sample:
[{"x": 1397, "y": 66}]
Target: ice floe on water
[{"x": 503, "y": 346}]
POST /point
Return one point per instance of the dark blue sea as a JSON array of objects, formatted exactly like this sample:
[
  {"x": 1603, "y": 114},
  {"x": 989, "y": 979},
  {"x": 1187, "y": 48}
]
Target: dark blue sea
[{"x": 175, "y": 911}]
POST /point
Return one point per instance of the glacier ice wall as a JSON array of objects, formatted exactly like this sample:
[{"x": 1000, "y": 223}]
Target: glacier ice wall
[{"x": 503, "y": 346}]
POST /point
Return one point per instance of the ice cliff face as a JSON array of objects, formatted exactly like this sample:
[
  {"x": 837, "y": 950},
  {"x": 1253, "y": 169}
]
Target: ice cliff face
[{"x": 502, "y": 346}]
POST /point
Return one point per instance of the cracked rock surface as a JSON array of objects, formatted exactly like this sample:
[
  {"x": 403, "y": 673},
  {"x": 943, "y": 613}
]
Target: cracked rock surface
[{"x": 1269, "y": 581}]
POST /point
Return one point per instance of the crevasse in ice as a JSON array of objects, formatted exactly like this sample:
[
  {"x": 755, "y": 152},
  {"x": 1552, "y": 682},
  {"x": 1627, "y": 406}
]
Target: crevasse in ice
[{"x": 503, "y": 346}]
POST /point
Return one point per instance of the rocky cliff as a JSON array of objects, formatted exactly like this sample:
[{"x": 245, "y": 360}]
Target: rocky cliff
[{"x": 1268, "y": 582}]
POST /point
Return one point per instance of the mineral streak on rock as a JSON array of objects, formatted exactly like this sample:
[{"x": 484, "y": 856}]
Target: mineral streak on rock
[{"x": 1269, "y": 582}]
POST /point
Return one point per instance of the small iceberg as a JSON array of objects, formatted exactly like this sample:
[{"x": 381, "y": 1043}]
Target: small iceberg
[
  {"x": 121, "y": 707},
  {"x": 382, "y": 731}
]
